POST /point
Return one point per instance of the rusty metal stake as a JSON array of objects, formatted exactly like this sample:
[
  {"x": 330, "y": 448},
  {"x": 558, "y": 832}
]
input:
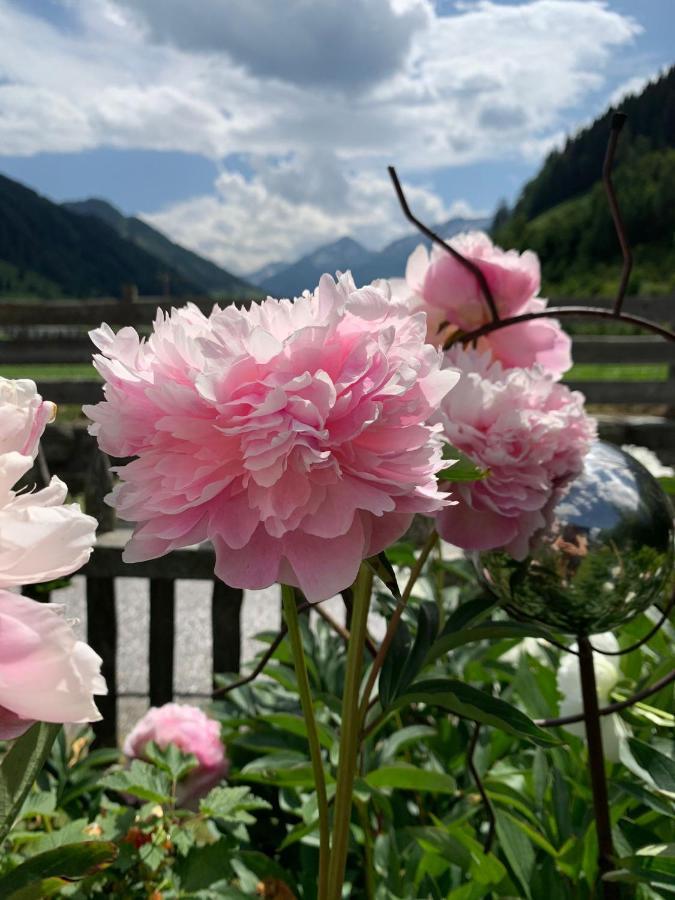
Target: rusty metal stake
[{"x": 596, "y": 766}]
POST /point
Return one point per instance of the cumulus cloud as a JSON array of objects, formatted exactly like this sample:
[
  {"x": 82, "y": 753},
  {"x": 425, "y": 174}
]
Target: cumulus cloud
[
  {"x": 318, "y": 98},
  {"x": 249, "y": 222},
  {"x": 337, "y": 43}
]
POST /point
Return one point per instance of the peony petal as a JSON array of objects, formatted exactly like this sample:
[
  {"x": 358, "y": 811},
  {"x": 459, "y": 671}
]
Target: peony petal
[{"x": 46, "y": 674}]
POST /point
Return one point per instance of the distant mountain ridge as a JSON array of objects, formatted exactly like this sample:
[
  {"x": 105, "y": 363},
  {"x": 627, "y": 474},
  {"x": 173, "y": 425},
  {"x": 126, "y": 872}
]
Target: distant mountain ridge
[
  {"x": 48, "y": 251},
  {"x": 211, "y": 278},
  {"x": 289, "y": 280}
]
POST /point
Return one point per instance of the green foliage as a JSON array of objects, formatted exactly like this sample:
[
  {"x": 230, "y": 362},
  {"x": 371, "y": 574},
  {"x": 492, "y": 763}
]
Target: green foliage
[
  {"x": 562, "y": 214},
  {"x": 56, "y": 868},
  {"x": 419, "y": 824},
  {"x": 19, "y": 768},
  {"x": 47, "y": 251}
]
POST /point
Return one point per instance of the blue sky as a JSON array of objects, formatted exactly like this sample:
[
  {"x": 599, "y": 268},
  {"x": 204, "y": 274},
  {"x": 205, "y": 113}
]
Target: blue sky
[{"x": 253, "y": 132}]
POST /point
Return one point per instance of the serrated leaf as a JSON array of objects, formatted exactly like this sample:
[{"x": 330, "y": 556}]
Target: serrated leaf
[
  {"x": 171, "y": 760},
  {"x": 141, "y": 780},
  {"x": 232, "y": 804},
  {"x": 71, "y": 862},
  {"x": 410, "y": 778},
  {"x": 19, "y": 769},
  {"x": 461, "y": 468},
  {"x": 471, "y": 703}
]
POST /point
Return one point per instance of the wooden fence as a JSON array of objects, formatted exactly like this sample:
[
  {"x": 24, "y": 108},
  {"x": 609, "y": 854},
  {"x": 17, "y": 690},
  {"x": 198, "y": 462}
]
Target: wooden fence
[{"x": 55, "y": 332}]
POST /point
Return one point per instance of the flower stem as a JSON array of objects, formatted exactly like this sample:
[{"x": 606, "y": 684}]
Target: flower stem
[
  {"x": 295, "y": 636},
  {"x": 349, "y": 734},
  {"x": 393, "y": 625}
]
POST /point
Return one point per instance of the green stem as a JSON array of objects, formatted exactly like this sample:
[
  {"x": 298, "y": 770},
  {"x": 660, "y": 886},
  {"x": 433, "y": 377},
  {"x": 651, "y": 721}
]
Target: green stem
[
  {"x": 369, "y": 874},
  {"x": 349, "y": 733},
  {"x": 393, "y": 625},
  {"x": 295, "y": 636}
]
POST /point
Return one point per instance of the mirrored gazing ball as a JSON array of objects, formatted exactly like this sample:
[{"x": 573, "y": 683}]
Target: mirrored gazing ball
[{"x": 607, "y": 555}]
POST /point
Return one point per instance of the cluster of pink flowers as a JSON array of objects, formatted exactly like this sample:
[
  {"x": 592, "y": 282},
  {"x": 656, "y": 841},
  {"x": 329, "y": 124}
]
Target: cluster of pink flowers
[
  {"x": 293, "y": 435},
  {"x": 192, "y": 731},
  {"x": 508, "y": 414},
  {"x": 528, "y": 431},
  {"x": 451, "y": 296},
  {"x": 46, "y": 674}
]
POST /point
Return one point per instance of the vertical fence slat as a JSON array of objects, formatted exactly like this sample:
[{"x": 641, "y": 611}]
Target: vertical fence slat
[
  {"x": 102, "y": 636},
  {"x": 162, "y": 609},
  {"x": 226, "y": 627}
]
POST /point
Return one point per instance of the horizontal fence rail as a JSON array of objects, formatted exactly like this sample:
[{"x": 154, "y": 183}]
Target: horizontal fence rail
[{"x": 54, "y": 332}]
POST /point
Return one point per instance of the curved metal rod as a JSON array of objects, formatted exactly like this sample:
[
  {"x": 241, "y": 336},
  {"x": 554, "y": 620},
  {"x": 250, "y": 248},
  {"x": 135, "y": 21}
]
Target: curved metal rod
[
  {"x": 618, "y": 121},
  {"x": 471, "y": 266},
  {"x": 643, "y": 640},
  {"x": 579, "y": 312},
  {"x": 613, "y": 707}
]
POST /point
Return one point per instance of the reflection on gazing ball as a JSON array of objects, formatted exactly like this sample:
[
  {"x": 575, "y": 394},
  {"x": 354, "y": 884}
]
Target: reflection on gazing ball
[{"x": 607, "y": 555}]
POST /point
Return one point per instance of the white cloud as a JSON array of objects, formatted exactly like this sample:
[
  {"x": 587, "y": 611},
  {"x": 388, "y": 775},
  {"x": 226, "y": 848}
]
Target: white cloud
[
  {"x": 318, "y": 97},
  {"x": 344, "y": 44},
  {"x": 247, "y": 223}
]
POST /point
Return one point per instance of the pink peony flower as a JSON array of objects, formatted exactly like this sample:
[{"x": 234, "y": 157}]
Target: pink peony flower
[
  {"x": 292, "y": 434},
  {"x": 46, "y": 674},
  {"x": 23, "y": 414},
  {"x": 40, "y": 537},
  {"x": 529, "y": 431},
  {"x": 192, "y": 731},
  {"x": 450, "y": 293}
]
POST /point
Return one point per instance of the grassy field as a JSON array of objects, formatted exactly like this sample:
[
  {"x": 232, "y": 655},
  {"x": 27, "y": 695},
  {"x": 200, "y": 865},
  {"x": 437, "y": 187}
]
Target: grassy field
[{"x": 52, "y": 372}]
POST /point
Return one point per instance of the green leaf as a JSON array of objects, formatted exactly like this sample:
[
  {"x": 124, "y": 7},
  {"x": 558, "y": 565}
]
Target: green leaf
[
  {"x": 488, "y": 631},
  {"x": 412, "y": 734},
  {"x": 384, "y": 570},
  {"x": 660, "y": 767},
  {"x": 232, "y": 804},
  {"x": 296, "y": 725},
  {"x": 406, "y": 657},
  {"x": 171, "y": 760},
  {"x": 427, "y": 629},
  {"x": 390, "y": 675},
  {"x": 470, "y": 703},
  {"x": 19, "y": 769},
  {"x": 409, "y": 778},
  {"x": 517, "y": 850},
  {"x": 141, "y": 780},
  {"x": 461, "y": 468},
  {"x": 69, "y": 862},
  {"x": 469, "y": 613},
  {"x": 38, "y": 890},
  {"x": 667, "y": 482}
]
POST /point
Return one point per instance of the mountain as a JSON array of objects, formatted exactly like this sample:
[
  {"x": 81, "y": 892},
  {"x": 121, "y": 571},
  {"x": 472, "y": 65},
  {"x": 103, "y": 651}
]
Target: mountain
[
  {"x": 49, "y": 251},
  {"x": 391, "y": 261},
  {"x": 293, "y": 279},
  {"x": 209, "y": 277},
  {"x": 562, "y": 213},
  {"x": 290, "y": 279}
]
